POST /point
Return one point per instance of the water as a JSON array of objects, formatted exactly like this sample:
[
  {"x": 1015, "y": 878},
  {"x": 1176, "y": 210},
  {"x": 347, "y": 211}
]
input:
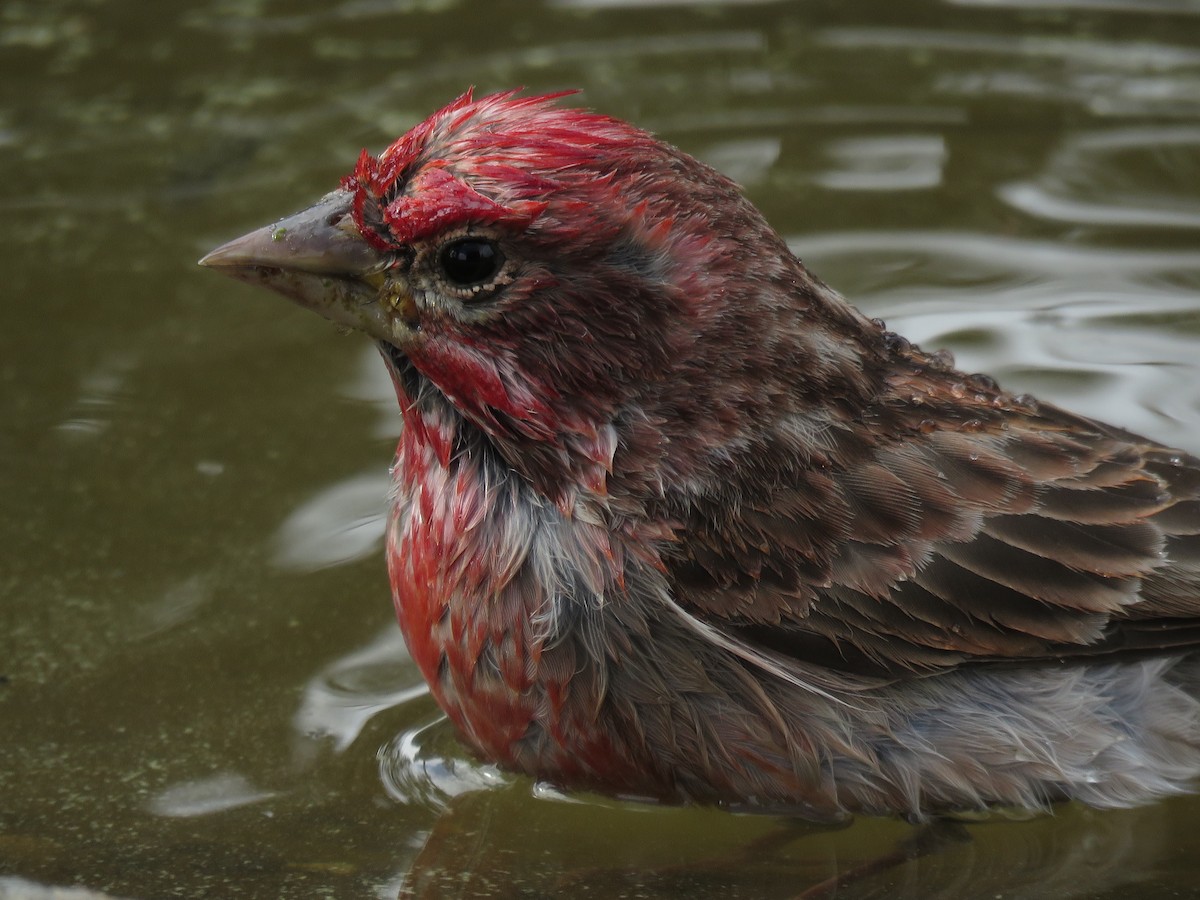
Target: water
[{"x": 203, "y": 692}]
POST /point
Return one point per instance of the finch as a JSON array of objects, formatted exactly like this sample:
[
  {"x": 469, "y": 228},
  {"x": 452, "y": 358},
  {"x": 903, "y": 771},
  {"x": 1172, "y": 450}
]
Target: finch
[{"x": 671, "y": 520}]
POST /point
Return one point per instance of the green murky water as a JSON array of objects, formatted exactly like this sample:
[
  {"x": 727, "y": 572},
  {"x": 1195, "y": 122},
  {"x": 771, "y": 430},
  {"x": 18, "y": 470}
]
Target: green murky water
[{"x": 203, "y": 693}]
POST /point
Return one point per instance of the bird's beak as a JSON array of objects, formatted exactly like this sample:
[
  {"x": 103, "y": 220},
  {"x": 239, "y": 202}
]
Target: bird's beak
[{"x": 319, "y": 259}]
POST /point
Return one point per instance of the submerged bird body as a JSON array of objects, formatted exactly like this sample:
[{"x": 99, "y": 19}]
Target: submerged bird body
[{"x": 671, "y": 519}]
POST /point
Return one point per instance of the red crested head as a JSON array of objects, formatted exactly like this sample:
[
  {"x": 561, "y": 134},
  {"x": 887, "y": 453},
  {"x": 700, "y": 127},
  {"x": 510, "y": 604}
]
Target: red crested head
[
  {"x": 606, "y": 311},
  {"x": 481, "y": 162}
]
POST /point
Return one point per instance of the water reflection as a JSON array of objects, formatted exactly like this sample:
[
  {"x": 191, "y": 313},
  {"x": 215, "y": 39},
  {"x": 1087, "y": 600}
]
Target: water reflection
[
  {"x": 1179, "y": 7},
  {"x": 746, "y": 161},
  {"x": 475, "y": 848},
  {"x": 1133, "y": 177},
  {"x": 372, "y": 385},
  {"x": 177, "y": 605},
  {"x": 649, "y": 4},
  {"x": 23, "y": 889},
  {"x": 196, "y": 613},
  {"x": 339, "y": 524},
  {"x": 895, "y": 163},
  {"x": 100, "y": 392},
  {"x": 1103, "y": 55},
  {"x": 205, "y": 796},
  {"x": 426, "y": 765},
  {"x": 346, "y": 694}
]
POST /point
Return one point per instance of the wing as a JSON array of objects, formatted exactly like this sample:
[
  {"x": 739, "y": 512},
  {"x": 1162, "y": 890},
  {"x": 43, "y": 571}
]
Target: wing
[{"x": 1010, "y": 531}]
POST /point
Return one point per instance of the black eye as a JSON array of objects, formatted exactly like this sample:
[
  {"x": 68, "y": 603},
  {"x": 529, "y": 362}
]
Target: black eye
[{"x": 470, "y": 261}]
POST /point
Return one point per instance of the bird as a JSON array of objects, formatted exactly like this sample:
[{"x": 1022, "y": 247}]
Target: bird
[{"x": 673, "y": 521}]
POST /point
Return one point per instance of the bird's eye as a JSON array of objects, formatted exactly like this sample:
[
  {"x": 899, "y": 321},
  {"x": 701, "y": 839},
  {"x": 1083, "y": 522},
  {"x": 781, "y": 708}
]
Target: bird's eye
[{"x": 470, "y": 261}]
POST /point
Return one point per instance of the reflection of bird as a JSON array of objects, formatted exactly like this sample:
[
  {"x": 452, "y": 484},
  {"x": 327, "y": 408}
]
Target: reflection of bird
[
  {"x": 673, "y": 520},
  {"x": 472, "y": 848}
]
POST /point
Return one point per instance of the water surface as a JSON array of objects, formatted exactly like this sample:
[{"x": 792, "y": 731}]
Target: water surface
[{"x": 203, "y": 691}]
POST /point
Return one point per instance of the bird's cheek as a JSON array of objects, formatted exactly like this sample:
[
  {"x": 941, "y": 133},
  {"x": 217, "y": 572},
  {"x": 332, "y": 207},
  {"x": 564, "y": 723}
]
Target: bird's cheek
[{"x": 398, "y": 302}]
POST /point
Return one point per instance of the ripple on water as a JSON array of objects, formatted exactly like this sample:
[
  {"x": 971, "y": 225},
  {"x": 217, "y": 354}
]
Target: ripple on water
[
  {"x": 1142, "y": 7},
  {"x": 340, "y": 524},
  {"x": 746, "y": 160},
  {"x": 1130, "y": 177},
  {"x": 346, "y": 694},
  {"x": 103, "y": 394},
  {"x": 426, "y": 766},
  {"x": 203, "y": 796},
  {"x": 902, "y": 162},
  {"x": 423, "y": 763}
]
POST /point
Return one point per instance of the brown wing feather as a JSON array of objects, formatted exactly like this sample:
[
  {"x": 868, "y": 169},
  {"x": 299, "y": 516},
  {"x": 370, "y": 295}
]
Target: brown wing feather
[{"x": 1028, "y": 534}]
